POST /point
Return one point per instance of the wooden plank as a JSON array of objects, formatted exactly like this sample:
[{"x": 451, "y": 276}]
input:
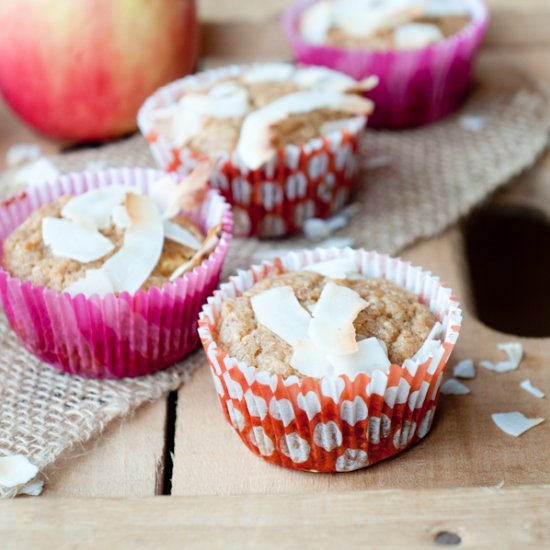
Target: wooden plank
[
  {"x": 127, "y": 459},
  {"x": 474, "y": 518}
]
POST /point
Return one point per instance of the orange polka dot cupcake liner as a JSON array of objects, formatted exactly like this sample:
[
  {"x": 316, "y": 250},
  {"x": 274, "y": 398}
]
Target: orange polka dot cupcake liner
[
  {"x": 314, "y": 180},
  {"x": 334, "y": 423}
]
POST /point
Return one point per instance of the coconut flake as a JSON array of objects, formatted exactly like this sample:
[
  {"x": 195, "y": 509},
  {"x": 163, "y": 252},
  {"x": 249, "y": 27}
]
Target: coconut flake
[
  {"x": 268, "y": 72},
  {"x": 37, "y": 172},
  {"x": 16, "y": 470},
  {"x": 338, "y": 268},
  {"x": 533, "y": 390},
  {"x": 227, "y": 100},
  {"x": 309, "y": 360},
  {"x": 171, "y": 196},
  {"x": 95, "y": 281},
  {"x": 454, "y": 387},
  {"x": 472, "y": 123},
  {"x": 514, "y": 350},
  {"x": 371, "y": 355},
  {"x": 74, "y": 241},
  {"x": 254, "y": 146},
  {"x": 515, "y": 423},
  {"x": 278, "y": 310},
  {"x": 132, "y": 265},
  {"x": 464, "y": 369},
  {"x": 95, "y": 207},
  {"x": 22, "y": 153},
  {"x": 209, "y": 243},
  {"x": 33, "y": 488},
  {"x": 120, "y": 217},
  {"x": 411, "y": 36},
  {"x": 177, "y": 233},
  {"x": 315, "y": 22},
  {"x": 442, "y": 8},
  {"x": 331, "y": 328}
]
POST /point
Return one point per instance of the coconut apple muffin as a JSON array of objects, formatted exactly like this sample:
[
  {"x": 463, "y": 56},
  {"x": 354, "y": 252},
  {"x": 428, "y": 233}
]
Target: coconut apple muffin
[
  {"x": 111, "y": 239},
  {"x": 383, "y": 24},
  {"x": 326, "y": 319},
  {"x": 262, "y": 109}
]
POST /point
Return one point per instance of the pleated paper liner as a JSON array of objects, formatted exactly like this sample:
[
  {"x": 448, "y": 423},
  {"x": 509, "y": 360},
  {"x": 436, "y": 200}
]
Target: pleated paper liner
[
  {"x": 313, "y": 180},
  {"x": 416, "y": 86},
  {"x": 114, "y": 336},
  {"x": 336, "y": 423}
]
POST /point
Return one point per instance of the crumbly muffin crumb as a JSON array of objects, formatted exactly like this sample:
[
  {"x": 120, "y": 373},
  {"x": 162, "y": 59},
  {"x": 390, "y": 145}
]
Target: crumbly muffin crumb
[{"x": 394, "y": 315}]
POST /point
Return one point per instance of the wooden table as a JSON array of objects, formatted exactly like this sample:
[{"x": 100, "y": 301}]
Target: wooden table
[{"x": 474, "y": 484}]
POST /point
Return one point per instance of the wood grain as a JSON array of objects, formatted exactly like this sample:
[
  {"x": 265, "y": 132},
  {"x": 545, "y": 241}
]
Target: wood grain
[{"x": 477, "y": 518}]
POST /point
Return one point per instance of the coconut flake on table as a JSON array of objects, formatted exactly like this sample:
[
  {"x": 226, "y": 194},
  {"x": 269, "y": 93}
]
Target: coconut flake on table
[
  {"x": 514, "y": 350},
  {"x": 410, "y": 36},
  {"x": 95, "y": 207},
  {"x": 454, "y": 387},
  {"x": 32, "y": 488},
  {"x": 465, "y": 369},
  {"x": 472, "y": 123},
  {"x": 254, "y": 146},
  {"x": 331, "y": 327},
  {"x": 15, "y": 470},
  {"x": 316, "y": 229},
  {"x": 279, "y": 310},
  {"x": 528, "y": 386},
  {"x": 37, "y": 172},
  {"x": 22, "y": 153},
  {"x": 515, "y": 423},
  {"x": 68, "y": 239}
]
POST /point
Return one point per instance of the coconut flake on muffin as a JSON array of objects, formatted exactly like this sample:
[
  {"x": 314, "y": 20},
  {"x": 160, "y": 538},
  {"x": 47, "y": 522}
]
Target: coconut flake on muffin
[
  {"x": 112, "y": 239},
  {"x": 242, "y": 113},
  {"x": 327, "y": 319},
  {"x": 382, "y": 24}
]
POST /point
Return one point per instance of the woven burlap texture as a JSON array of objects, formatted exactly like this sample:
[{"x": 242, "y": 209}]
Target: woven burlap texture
[{"x": 426, "y": 179}]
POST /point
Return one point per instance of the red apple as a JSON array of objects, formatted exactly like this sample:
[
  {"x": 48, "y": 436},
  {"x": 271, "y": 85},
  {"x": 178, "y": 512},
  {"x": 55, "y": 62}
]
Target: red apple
[{"x": 80, "y": 69}]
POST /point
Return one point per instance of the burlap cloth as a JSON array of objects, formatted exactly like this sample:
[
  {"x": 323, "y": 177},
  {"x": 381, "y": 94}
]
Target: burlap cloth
[{"x": 426, "y": 180}]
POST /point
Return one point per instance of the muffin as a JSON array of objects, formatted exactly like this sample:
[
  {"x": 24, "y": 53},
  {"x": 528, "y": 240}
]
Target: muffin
[
  {"x": 330, "y": 360},
  {"x": 103, "y": 274},
  {"x": 284, "y": 138},
  {"x": 422, "y": 52}
]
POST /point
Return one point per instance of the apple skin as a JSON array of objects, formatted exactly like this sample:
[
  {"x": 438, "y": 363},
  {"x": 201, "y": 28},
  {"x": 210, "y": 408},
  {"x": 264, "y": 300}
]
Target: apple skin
[{"x": 80, "y": 69}]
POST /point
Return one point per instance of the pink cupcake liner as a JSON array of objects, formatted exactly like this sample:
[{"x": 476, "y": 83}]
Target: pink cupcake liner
[
  {"x": 302, "y": 182},
  {"x": 416, "y": 87},
  {"x": 336, "y": 423},
  {"x": 115, "y": 336}
]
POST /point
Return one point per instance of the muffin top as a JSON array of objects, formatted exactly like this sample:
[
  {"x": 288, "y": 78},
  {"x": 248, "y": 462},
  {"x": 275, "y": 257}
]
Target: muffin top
[
  {"x": 262, "y": 108},
  {"x": 328, "y": 319},
  {"x": 111, "y": 239},
  {"x": 383, "y": 24}
]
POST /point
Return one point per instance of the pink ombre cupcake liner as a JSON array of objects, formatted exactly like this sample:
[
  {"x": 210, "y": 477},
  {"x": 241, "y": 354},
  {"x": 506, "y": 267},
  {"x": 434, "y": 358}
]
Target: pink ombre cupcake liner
[
  {"x": 335, "y": 423},
  {"x": 114, "y": 336},
  {"x": 416, "y": 87},
  {"x": 314, "y": 180}
]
